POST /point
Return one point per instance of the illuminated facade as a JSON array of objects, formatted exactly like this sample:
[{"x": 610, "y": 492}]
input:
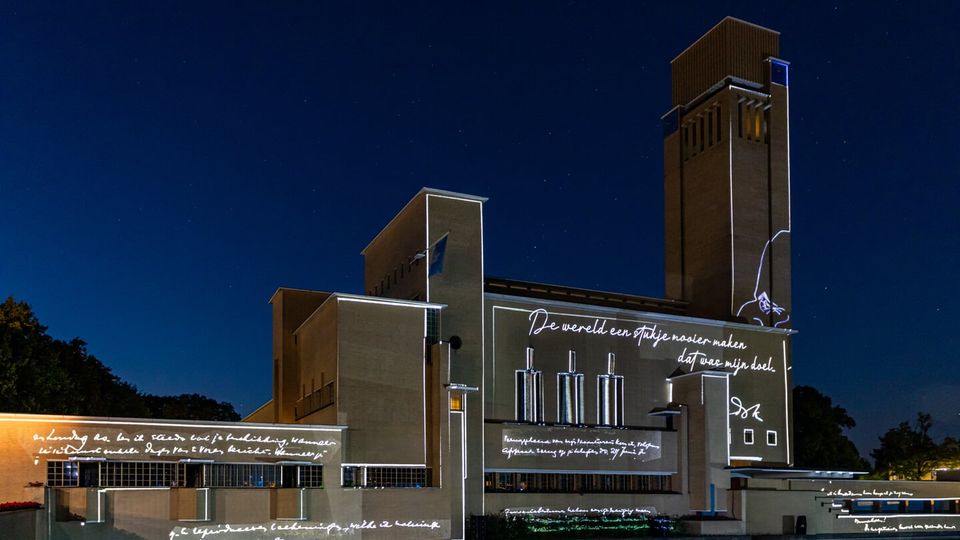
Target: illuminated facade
[
  {"x": 443, "y": 393},
  {"x": 727, "y": 177}
]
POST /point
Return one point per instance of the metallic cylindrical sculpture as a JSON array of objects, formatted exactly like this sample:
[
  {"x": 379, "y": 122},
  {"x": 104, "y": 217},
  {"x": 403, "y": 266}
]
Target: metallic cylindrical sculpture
[
  {"x": 570, "y": 394},
  {"x": 529, "y": 397},
  {"x": 610, "y": 396}
]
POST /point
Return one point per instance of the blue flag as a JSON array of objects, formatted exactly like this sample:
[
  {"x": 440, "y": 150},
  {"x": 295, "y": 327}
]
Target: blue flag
[{"x": 436, "y": 256}]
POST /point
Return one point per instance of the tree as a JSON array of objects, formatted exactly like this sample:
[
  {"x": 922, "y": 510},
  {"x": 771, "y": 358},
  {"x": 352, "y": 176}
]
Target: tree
[
  {"x": 818, "y": 432},
  {"x": 31, "y": 377},
  {"x": 950, "y": 453},
  {"x": 190, "y": 407},
  {"x": 908, "y": 453},
  {"x": 42, "y": 375}
]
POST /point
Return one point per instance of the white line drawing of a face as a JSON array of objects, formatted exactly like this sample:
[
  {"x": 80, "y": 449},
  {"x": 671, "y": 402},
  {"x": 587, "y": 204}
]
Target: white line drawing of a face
[{"x": 762, "y": 303}]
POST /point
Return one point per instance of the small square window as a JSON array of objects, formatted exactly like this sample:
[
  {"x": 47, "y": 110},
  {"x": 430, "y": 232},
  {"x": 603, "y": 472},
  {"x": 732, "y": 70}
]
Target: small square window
[
  {"x": 771, "y": 437},
  {"x": 456, "y": 402},
  {"x": 748, "y": 436}
]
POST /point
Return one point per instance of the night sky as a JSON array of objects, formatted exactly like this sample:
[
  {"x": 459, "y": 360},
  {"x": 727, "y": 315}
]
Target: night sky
[{"x": 165, "y": 167}]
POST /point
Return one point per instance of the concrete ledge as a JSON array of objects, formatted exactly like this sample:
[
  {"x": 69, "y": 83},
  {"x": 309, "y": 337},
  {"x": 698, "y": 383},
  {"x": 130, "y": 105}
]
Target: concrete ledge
[{"x": 713, "y": 527}]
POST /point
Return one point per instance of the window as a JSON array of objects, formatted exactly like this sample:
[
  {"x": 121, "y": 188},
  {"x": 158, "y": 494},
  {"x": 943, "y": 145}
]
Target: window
[
  {"x": 170, "y": 474},
  {"x": 319, "y": 399},
  {"x": 456, "y": 402},
  {"x": 717, "y": 123},
  {"x": 137, "y": 474},
  {"x": 748, "y": 436},
  {"x": 386, "y": 477},
  {"x": 944, "y": 507},
  {"x": 757, "y": 124},
  {"x": 499, "y": 482},
  {"x": 242, "y": 475},
  {"x": 63, "y": 474},
  {"x": 891, "y": 507},
  {"x": 351, "y": 476},
  {"x": 89, "y": 473},
  {"x": 771, "y": 437},
  {"x": 740, "y": 118},
  {"x": 433, "y": 325},
  {"x": 191, "y": 474},
  {"x": 310, "y": 476},
  {"x": 693, "y": 136},
  {"x": 700, "y": 132}
]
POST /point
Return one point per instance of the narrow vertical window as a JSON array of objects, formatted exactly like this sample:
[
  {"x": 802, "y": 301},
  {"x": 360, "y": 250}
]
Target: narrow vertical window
[
  {"x": 756, "y": 123},
  {"x": 719, "y": 126},
  {"x": 683, "y": 142},
  {"x": 700, "y": 132},
  {"x": 693, "y": 136},
  {"x": 766, "y": 126},
  {"x": 740, "y": 119},
  {"x": 709, "y": 127}
]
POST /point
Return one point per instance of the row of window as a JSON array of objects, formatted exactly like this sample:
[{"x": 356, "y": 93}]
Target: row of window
[
  {"x": 398, "y": 273},
  {"x": 911, "y": 506},
  {"x": 386, "y": 477},
  {"x": 753, "y": 117},
  {"x": 167, "y": 474},
  {"x": 704, "y": 130},
  {"x": 511, "y": 482},
  {"x": 217, "y": 475},
  {"x": 316, "y": 400},
  {"x": 748, "y": 437},
  {"x": 701, "y": 132}
]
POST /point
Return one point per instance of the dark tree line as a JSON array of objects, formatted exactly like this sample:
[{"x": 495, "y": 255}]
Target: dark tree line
[
  {"x": 818, "y": 427},
  {"x": 906, "y": 452},
  {"x": 43, "y": 375}
]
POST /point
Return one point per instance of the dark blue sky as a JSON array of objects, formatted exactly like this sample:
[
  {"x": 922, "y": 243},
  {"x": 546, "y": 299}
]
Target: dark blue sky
[{"x": 165, "y": 167}]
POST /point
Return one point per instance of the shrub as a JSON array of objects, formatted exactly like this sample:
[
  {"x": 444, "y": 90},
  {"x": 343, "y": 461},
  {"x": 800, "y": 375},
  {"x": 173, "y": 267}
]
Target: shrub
[{"x": 19, "y": 505}]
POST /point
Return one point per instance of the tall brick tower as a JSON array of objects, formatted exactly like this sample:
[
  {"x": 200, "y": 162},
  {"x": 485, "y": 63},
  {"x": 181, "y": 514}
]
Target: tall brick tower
[{"x": 727, "y": 177}]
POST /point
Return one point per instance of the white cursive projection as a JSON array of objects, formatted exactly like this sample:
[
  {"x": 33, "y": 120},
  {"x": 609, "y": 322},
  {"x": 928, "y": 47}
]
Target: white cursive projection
[
  {"x": 114, "y": 443},
  {"x": 578, "y": 511},
  {"x": 298, "y": 529},
  {"x": 744, "y": 412},
  {"x": 868, "y": 493},
  {"x": 693, "y": 359},
  {"x": 612, "y": 448},
  {"x": 880, "y": 525},
  {"x": 644, "y": 333}
]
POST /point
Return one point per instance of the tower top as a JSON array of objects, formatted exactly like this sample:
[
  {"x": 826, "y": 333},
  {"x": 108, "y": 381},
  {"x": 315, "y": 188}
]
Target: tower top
[{"x": 732, "y": 48}]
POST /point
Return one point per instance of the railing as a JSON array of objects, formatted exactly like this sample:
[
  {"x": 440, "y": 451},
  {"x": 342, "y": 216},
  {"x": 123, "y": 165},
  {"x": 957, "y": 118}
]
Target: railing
[{"x": 319, "y": 399}]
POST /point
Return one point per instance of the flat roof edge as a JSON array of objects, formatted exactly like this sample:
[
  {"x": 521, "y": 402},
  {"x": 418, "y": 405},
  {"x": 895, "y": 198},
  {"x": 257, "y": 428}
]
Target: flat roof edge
[
  {"x": 276, "y": 292},
  {"x": 369, "y": 299},
  {"x": 714, "y": 27},
  {"x": 63, "y": 418},
  {"x": 423, "y": 191}
]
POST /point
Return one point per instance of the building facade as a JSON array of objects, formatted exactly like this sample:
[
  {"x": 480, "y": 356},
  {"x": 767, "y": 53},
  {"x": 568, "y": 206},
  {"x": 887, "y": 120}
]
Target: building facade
[{"x": 443, "y": 393}]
